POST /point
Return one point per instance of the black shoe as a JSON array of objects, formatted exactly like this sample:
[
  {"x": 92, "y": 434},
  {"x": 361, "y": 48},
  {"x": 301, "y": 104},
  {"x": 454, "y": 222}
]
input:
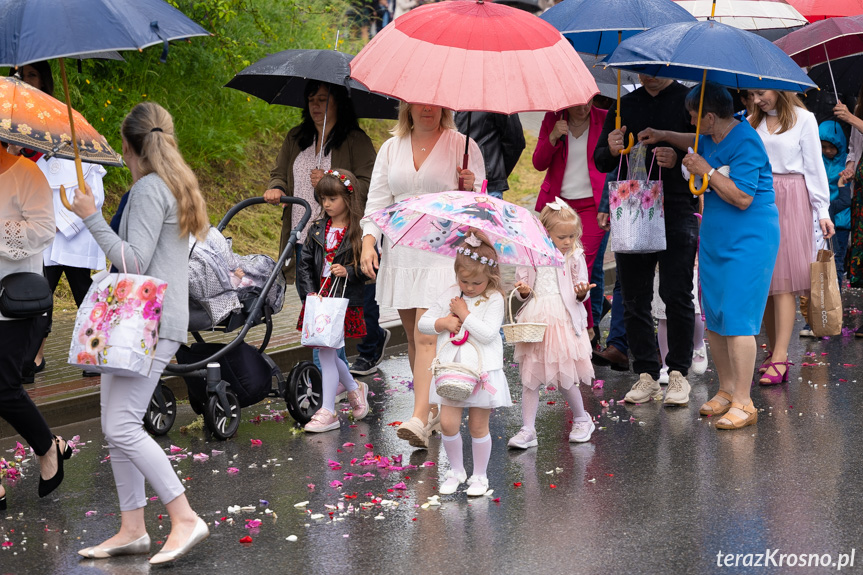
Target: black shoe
[
  {"x": 46, "y": 486},
  {"x": 40, "y": 367},
  {"x": 382, "y": 348},
  {"x": 91, "y": 373},
  {"x": 362, "y": 366}
]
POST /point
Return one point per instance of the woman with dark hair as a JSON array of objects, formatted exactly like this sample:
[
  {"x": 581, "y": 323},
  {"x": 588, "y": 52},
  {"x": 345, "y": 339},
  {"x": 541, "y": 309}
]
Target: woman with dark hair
[
  {"x": 739, "y": 239},
  {"x": 329, "y": 121}
]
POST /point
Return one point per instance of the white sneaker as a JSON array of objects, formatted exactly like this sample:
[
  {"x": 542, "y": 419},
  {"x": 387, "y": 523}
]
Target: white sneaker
[
  {"x": 645, "y": 389},
  {"x": 678, "y": 389},
  {"x": 477, "y": 485},
  {"x": 663, "y": 375},
  {"x": 581, "y": 431},
  {"x": 523, "y": 439},
  {"x": 451, "y": 482},
  {"x": 699, "y": 360}
]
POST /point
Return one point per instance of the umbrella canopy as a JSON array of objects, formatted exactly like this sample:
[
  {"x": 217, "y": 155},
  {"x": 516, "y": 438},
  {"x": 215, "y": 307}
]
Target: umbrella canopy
[
  {"x": 34, "y": 30},
  {"x": 436, "y": 223},
  {"x": 844, "y": 72},
  {"x": 527, "y": 5},
  {"x": 824, "y": 40},
  {"x": 747, "y": 14},
  {"x": 472, "y": 55},
  {"x": 33, "y": 119},
  {"x": 606, "y": 79},
  {"x": 281, "y": 79},
  {"x": 821, "y": 9},
  {"x": 731, "y": 57},
  {"x": 597, "y": 27}
]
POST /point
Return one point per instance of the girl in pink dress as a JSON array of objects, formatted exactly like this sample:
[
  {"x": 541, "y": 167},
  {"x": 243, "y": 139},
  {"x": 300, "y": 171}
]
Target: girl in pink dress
[{"x": 554, "y": 297}]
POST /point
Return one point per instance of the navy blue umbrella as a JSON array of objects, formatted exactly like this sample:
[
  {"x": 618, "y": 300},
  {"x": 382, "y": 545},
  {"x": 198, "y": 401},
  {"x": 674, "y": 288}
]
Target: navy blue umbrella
[
  {"x": 597, "y": 28},
  {"x": 710, "y": 51},
  {"x": 34, "y": 30}
]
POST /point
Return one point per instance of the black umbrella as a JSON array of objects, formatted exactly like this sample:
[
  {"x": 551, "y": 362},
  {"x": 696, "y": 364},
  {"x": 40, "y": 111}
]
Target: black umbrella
[
  {"x": 526, "y": 5},
  {"x": 281, "y": 78}
]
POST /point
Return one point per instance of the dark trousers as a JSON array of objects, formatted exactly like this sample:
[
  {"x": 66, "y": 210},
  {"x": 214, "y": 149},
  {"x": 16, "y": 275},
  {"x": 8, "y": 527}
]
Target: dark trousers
[
  {"x": 675, "y": 287},
  {"x": 368, "y": 347},
  {"x": 16, "y": 407},
  {"x": 840, "y": 247},
  {"x": 617, "y": 329},
  {"x": 79, "y": 282},
  {"x": 597, "y": 276}
]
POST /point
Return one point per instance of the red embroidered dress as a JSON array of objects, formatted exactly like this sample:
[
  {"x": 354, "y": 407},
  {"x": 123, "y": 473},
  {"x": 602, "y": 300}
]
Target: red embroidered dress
[{"x": 355, "y": 324}]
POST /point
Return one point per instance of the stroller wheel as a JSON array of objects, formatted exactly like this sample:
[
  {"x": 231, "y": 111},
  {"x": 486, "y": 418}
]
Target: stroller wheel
[
  {"x": 303, "y": 395},
  {"x": 161, "y": 412},
  {"x": 221, "y": 423}
]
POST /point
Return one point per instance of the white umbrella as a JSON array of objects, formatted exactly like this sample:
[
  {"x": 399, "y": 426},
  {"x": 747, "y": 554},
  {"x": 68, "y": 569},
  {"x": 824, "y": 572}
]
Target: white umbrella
[{"x": 747, "y": 14}]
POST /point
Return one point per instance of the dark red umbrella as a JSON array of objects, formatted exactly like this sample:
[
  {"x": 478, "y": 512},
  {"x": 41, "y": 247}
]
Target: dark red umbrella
[
  {"x": 823, "y": 9},
  {"x": 824, "y": 41}
]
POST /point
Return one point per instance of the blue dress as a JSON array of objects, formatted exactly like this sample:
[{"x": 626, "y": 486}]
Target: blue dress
[{"x": 738, "y": 247}]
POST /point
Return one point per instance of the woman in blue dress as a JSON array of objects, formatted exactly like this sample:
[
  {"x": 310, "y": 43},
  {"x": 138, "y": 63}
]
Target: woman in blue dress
[{"x": 739, "y": 243}]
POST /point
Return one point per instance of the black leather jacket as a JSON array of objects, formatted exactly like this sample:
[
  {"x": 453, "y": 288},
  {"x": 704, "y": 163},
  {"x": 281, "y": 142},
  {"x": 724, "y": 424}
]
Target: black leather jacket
[
  {"x": 501, "y": 140},
  {"x": 311, "y": 264}
]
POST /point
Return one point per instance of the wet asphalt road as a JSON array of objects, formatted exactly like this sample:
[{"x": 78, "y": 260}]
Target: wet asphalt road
[{"x": 658, "y": 490}]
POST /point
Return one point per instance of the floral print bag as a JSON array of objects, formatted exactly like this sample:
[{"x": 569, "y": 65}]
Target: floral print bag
[
  {"x": 636, "y": 206},
  {"x": 117, "y": 326}
]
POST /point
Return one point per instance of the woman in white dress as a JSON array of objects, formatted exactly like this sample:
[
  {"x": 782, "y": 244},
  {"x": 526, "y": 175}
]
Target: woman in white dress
[
  {"x": 790, "y": 135},
  {"x": 423, "y": 156}
]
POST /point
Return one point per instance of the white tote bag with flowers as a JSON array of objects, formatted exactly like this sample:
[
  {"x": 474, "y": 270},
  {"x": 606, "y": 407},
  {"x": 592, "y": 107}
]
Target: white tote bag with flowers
[{"x": 117, "y": 326}]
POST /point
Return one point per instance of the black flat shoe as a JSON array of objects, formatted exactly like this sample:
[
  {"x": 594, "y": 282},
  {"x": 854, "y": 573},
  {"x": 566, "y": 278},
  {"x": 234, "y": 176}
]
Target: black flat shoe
[
  {"x": 46, "y": 486},
  {"x": 40, "y": 367}
]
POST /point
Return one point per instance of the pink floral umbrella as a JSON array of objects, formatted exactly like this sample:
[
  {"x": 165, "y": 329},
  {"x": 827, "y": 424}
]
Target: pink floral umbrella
[{"x": 436, "y": 223}]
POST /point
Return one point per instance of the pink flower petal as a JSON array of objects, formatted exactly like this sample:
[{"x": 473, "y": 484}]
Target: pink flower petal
[
  {"x": 400, "y": 485},
  {"x": 233, "y": 470},
  {"x": 335, "y": 484}
]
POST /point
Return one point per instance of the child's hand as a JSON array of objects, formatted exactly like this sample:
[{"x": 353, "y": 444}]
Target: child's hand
[
  {"x": 523, "y": 289},
  {"x": 458, "y": 307},
  {"x": 449, "y": 323},
  {"x": 582, "y": 289},
  {"x": 339, "y": 270}
]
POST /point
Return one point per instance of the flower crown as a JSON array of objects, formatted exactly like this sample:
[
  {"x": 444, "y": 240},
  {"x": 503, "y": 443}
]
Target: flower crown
[
  {"x": 342, "y": 178},
  {"x": 476, "y": 257}
]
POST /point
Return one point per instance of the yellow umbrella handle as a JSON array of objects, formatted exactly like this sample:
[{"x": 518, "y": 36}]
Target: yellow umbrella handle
[
  {"x": 78, "y": 168},
  {"x": 628, "y": 148},
  {"x": 698, "y": 191}
]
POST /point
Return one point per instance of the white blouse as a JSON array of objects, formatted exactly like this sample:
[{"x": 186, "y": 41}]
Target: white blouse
[
  {"x": 798, "y": 151},
  {"x": 855, "y": 149},
  {"x": 26, "y": 218},
  {"x": 395, "y": 178},
  {"x": 576, "y": 177}
]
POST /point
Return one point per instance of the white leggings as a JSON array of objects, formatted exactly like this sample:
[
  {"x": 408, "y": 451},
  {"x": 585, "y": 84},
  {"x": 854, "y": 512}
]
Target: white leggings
[{"x": 135, "y": 456}]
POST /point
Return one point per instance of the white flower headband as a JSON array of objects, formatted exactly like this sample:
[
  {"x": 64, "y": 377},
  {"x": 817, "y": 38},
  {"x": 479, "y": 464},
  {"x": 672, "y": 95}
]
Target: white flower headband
[
  {"x": 475, "y": 242},
  {"x": 342, "y": 178}
]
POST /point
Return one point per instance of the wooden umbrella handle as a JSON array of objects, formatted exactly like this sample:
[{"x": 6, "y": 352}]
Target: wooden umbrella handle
[{"x": 79, "y": 169}]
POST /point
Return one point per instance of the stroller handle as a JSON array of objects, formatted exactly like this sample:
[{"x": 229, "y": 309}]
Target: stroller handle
[
  {"x": 307, "y": 209},
  {"x": 256, "y": 309}
]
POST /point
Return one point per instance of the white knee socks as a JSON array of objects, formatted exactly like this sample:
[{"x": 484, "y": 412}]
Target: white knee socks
[
  {"x": 481, "y": 453},
  {"x": 529, "y": 405}
]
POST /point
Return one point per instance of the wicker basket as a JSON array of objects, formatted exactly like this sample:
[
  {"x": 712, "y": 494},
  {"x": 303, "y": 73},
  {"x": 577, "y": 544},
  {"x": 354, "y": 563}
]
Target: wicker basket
[
  {"x": 521, "y": 332},
  {"x": 456, "y": 381}
]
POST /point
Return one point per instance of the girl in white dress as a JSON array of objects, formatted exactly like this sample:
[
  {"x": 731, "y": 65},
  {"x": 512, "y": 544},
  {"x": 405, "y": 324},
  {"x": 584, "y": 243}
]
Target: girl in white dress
[
  {"x": 466, "y": 319},
  {"x": 424, "y": 156},
  {"x": 563, "y": 356}
]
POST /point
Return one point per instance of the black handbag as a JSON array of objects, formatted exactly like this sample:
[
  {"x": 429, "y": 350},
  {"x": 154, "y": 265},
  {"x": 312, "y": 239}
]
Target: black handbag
[{"x": 24, "y": 295}]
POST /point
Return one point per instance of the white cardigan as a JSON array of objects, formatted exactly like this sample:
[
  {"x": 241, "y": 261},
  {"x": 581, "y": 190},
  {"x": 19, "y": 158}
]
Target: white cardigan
[
  {"x": 73, "y": 245},
  {"x": 483, "y": 322}
]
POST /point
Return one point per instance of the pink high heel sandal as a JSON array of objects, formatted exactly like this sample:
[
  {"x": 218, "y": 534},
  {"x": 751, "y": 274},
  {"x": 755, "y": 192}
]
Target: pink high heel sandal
[
  {"x": 775, "y": 379},
  {"x": 766, "y": 363}
]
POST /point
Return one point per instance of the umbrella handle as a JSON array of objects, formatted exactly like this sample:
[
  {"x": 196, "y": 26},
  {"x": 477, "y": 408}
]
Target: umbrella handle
[
  {"x": 78, "y": 168},
  {"x": 697, "y": 191},
  {"x": 460, "y": 179},
  {"x": 628, "y": 148}
]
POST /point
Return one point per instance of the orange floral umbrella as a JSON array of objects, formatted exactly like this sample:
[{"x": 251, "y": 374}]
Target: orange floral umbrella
[{"x": 33, "y": 119}]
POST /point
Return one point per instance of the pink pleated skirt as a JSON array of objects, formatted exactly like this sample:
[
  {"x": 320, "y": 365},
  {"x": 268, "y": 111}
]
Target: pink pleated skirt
[{"x": 796, "y": 244}]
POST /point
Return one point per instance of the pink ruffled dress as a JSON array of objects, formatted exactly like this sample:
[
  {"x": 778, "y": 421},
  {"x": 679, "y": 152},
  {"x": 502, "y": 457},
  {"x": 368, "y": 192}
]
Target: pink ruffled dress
[{"x": 562, "y": 358}]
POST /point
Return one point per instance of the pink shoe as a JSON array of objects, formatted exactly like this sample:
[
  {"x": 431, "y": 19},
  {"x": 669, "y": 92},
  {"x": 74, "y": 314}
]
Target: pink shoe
[
  {"x": 766, "y": 363},
  {"x": 778, "y": 378},
  {"x": 322, "y": 420},
  {"x": 359, "y": 401}
]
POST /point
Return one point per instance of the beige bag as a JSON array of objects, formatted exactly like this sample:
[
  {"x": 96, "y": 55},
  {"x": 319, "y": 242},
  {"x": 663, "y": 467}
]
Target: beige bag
[{"x": 825, "y": 301}]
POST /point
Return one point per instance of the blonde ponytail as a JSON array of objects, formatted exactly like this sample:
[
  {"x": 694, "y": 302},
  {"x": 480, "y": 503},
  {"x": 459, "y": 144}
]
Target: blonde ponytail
[{"x": 149, "y": 130}]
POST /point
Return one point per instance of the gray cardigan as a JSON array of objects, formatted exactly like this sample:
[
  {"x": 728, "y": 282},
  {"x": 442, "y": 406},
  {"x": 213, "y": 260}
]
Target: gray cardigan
[{"x": 150, "y": 233}]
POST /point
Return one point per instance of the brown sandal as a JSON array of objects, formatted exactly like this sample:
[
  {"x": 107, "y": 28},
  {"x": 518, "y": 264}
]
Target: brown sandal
[
  {"x": 736, "y": 421},
  {"x": 714, "y": 407}
]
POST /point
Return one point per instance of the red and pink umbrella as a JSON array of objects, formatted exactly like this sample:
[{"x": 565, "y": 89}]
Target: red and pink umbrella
[{"x": 823, "y": 9}]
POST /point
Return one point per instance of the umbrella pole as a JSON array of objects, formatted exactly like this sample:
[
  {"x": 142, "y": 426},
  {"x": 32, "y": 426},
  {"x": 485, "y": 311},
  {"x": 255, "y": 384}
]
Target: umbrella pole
[
  {"x": 324, "y": 130},
  {"x": 79, "y": 169},
  {"x": 465, "y": 159},
  {"x": 627, "y": 149},
  {"x": 692, "y": 188},
  {"x": 830, "y": 68}
]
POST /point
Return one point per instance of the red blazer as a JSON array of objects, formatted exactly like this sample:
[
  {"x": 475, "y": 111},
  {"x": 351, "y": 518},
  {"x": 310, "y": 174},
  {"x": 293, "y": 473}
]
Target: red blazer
[{"x": 553, "y": 158}]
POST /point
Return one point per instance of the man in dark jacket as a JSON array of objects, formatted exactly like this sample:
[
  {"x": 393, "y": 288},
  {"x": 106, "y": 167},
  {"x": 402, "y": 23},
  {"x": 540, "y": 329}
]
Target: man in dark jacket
[
  {"x": 501, "y": 140},
  {"x": 658, "y": 104}
]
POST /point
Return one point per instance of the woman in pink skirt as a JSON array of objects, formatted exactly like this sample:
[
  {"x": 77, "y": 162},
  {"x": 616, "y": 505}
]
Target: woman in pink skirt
[{"x": 790, "y": 135}]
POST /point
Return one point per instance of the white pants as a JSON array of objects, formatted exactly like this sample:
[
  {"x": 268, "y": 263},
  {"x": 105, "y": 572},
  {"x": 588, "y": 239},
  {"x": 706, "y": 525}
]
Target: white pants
[{"x": 135, "y": 456}]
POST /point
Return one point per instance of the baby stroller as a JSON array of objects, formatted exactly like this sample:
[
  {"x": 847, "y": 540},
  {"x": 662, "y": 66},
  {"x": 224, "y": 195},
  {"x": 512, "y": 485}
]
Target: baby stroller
[{"x": 228, "y": 292}]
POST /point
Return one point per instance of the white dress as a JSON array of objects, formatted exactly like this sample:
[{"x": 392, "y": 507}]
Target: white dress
[
  {"x": 410, "y": 278},
  {"x": 483, "y": 324}
]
